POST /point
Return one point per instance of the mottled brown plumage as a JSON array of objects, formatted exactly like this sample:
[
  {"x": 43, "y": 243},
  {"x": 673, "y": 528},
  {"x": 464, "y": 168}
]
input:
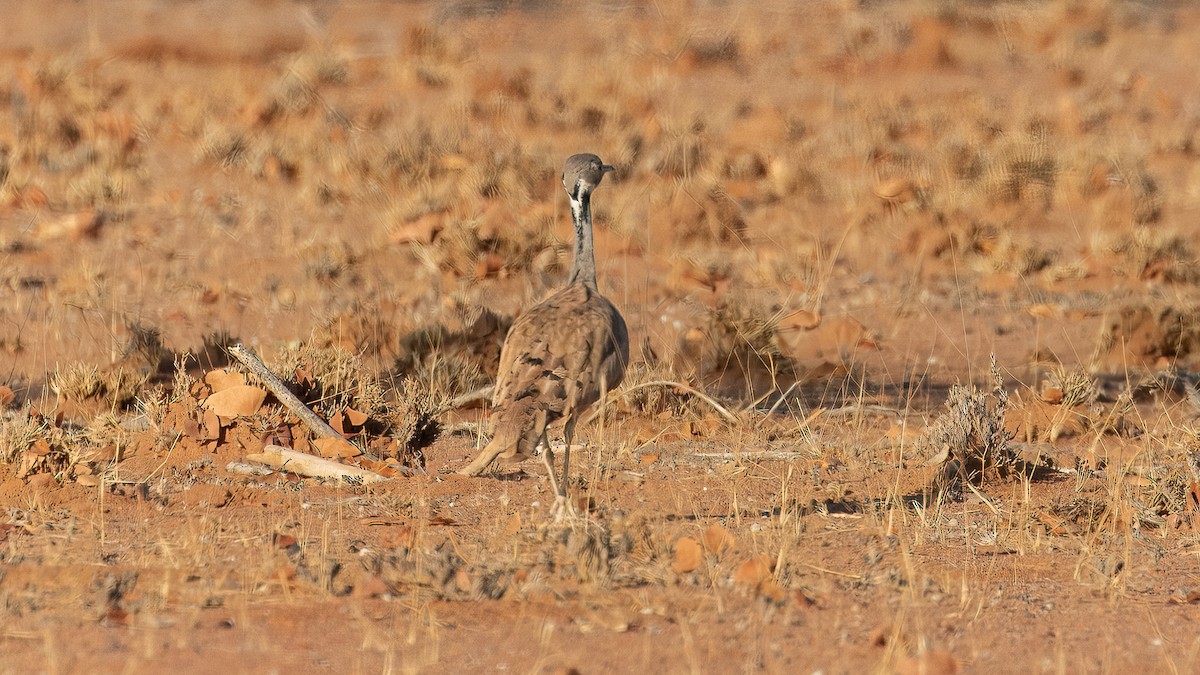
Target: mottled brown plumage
[{"x": 561, "y": 355}]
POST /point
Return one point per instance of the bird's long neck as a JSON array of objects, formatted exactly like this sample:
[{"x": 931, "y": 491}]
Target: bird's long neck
[{"x": 583, "y": 270}]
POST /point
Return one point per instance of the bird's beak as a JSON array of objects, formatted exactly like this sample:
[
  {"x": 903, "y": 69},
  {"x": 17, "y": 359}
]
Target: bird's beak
[{"x": 605, "y": 168}]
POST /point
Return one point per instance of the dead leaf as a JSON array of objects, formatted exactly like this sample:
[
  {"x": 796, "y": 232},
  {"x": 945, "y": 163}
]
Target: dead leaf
[
  {"x": 373, "y": 586},
  {"x": 769, "y": 589},
  {"x": 220, "y": 380},
  {"x": 335, "y": 448},
  {"x": 284, "y": 541},
  {"x": 753, "y": 572},
  {"x": 40, "y": 448},
  {"x": 7, "y": 529},
  {"x": 115, "y": 616},
  {"x": 356, "y": 418},
  {"x": 688, "y": 555},
  {"x": 716, "y": 539},
  {"x": 236, "y": 401},
  {"x": 211, "y": 429},
  {"x": 423, "y": 230},
  {"x": 513, "y": 526},
  {"x": 336, "y": 423},
  {"x": 6, "y": 396}
]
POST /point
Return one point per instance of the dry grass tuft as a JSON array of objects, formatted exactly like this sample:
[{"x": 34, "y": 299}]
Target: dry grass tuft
[
  {"x": 115, "y": 388},
  {"x": 332, "y": 379},
  {"x": 971, "y": 433}
]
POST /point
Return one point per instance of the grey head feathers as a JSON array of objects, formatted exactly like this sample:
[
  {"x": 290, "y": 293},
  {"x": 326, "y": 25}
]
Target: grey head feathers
[{"x": 582, "y": 173}]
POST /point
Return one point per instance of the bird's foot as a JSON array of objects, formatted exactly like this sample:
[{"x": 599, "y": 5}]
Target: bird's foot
[{"x": 563, "y": 510}]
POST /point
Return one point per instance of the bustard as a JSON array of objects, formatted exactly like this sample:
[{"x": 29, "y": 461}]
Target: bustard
[{"x": 561, "y": 355}]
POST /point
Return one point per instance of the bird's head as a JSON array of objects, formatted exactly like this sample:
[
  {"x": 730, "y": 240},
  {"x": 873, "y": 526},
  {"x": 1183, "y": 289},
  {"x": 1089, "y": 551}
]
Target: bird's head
[{"x": 582, "y": 173}]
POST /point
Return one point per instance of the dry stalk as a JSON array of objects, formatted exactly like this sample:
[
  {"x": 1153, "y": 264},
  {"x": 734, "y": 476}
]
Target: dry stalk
[{"x": 277, "y": 386}]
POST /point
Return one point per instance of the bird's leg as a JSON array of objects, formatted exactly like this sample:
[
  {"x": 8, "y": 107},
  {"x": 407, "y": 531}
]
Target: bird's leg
[
  {"x": 548, "y": 460},
  {"x": 562, "y": 505},
  {"x": 483, "y": 461},
  {"x": 568, "y": 432}
]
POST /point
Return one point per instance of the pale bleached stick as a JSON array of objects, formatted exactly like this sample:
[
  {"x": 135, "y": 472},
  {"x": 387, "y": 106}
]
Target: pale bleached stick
[
  {"x": 310, "y": 465},
  {"x": 285, "y": 396}
]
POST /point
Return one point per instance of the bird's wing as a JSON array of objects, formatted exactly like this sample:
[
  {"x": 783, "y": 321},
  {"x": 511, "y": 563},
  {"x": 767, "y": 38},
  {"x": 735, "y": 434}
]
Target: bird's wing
[{"x": 558, "y": 351}]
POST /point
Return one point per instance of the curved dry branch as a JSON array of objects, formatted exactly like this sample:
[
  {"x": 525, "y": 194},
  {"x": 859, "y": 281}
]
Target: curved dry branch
[{"x": 722, "y": 410}]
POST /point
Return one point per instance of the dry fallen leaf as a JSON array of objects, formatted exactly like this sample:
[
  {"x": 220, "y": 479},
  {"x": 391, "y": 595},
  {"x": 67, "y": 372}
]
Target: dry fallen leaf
[
  {"x": 716, "y": 539},
  {"x": 236, "y": 401},
  {"x": 356, "y": 418},
  {"x": 1052, "y": 395},
  {"x": 284, "y": 541},
  {"x": 220, "y": 380},
  {"x": 336, "y": 423},
  {"x": 6, "y": 396},
  {"x": 514, "y": 525},
  {"x": 688, "y": 555},
  {"x": 335, "y": 448},
  {"x": 753, "y": 572}
]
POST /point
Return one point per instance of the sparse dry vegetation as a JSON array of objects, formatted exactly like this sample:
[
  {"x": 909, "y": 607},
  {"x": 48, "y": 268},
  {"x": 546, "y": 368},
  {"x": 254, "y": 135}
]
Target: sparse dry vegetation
[{"x": 911, "y": 290}]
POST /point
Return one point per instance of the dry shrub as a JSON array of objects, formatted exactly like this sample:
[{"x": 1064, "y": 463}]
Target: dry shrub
[
  {"x": 335, "y": 380},
  {"x": 17, "y": 432},
  {"x": 971, "y": 433},
  {"x": 699, "y": 212},
  {"x": 114, "y": 388},
  {"x": 454, "y": 359},
  {"x": 361, "y": 329},
  {"x": 1152, "y": 255},
  {"x": 743, "y": 356},
  {"x": 682, "y": 151},
  {"x": 491, "y": 214},
  {"x": 657, "y": 400},
  {"x": 329, "y": 261},
  {"x": 1076, "y": 386},
  {"x": 40, "y": 444},
  {"x": 1140, "y": 336},
  {"x": 412, "y": 419}
]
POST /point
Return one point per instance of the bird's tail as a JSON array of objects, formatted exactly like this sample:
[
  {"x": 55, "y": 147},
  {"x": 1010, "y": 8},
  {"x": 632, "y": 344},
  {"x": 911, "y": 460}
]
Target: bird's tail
[{"x": 516, "y": 432}]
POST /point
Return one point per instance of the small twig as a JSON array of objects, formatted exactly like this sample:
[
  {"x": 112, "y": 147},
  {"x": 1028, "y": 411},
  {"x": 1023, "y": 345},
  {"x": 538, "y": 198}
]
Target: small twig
[
  {"x": 285, "y": 396},
  {"x": 848, "y": 575},
  {"x": 729, "y": 417},
  {"x": 855, "y": 409},
  {"x": 750, "y": 454},
  {"x": 248, "y": 469},
  {"x": 782, "y": 399}
]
